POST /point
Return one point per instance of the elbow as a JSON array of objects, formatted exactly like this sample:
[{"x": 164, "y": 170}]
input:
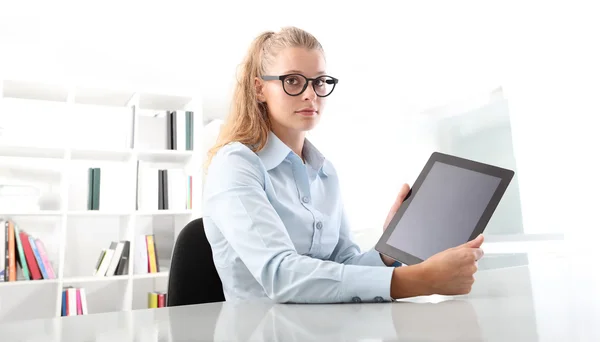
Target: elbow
[{"x": 279, "y": 287}]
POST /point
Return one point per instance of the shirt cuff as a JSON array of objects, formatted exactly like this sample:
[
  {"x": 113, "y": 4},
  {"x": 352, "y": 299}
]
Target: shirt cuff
[{"x": 366, "y": 284}]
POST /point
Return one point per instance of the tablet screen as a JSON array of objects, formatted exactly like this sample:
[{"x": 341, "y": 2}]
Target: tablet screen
[{"x": 444, "y": 211}]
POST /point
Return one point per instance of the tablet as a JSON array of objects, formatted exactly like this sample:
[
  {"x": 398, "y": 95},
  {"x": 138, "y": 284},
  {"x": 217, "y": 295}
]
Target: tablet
[{"x": 450, "y": 203}]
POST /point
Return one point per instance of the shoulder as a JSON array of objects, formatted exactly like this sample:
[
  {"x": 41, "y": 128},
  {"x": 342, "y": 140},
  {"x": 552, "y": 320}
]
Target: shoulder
[
  {"x": 234, "y": 162},
  {"x": 329, "y": 169}
]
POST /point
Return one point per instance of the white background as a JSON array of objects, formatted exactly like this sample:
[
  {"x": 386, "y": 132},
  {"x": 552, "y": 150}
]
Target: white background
[{"x": 395, "y": 59}]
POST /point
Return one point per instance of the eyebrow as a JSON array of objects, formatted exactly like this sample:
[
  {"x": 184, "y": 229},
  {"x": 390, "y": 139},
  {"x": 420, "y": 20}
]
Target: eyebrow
[{"x": 300, "y": 72}]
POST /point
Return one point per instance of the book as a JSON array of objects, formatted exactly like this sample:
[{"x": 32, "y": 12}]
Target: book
[
  {"x": 123, "y": 266},
  {"x": 152, "y": 263},
  {"x": 22, "y": 259}
]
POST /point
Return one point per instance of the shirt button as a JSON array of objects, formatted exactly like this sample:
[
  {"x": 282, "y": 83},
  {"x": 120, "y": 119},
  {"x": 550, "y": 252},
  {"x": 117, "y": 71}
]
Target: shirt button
[
  {"x": 305, "y": 199},
  {"x": 319, "y": 225},
  {"x": 356, "y": 299},
  {"x": 379, "y": 299}
]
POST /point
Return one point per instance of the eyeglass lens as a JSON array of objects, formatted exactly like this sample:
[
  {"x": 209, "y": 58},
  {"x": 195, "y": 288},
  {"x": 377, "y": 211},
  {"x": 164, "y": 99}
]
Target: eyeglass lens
[{"x": 295, "y": 84}]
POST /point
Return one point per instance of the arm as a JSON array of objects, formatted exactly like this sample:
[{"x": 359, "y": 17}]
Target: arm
[
  {"x": 235, "y": 200},
  {"x": 349, "y": 253}
]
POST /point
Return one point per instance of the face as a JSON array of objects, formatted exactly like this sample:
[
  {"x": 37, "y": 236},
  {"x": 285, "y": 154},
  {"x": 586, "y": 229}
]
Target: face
[{"x": 288, "y": 113}]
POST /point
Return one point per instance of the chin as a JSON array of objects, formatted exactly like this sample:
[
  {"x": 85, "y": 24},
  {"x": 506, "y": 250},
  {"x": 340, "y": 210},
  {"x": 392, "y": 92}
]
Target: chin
[{"x": 307, "y": 125}]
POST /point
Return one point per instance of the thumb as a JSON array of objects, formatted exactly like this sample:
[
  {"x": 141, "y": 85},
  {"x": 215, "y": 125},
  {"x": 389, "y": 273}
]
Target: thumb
[{"x": 475, "y": 243}]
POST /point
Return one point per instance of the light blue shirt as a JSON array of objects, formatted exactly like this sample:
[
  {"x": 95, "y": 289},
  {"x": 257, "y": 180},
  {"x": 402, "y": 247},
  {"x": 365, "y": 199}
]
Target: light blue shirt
[{"x": 278, "y": 229}]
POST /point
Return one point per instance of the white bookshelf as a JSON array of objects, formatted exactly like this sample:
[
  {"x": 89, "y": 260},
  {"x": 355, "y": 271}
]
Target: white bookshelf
[{"x": 51, "y": 134}]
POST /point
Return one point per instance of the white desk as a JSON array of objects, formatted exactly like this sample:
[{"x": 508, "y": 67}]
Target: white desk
[{"x": 550, "y": 299}]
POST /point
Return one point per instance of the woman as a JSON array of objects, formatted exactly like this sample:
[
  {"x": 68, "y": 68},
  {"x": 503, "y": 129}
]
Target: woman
[{"x": 272, "y": 207}]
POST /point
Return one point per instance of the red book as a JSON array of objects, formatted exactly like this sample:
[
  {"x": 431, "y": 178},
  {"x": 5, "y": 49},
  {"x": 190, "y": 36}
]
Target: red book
[
  {"x": 161, "y": 300},
  {"x": 31, "y": 262},
  {"x": 79, "y": 308}
]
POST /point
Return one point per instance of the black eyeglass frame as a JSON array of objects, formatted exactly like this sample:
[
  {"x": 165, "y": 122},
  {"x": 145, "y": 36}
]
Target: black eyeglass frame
[{"x": 331, "y": 80}]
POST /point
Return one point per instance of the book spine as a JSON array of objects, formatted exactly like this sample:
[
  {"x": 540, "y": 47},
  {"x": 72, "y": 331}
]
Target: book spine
[
  {"x": 6, "y": 255},
  {"x": 165, "y": 180},
  {"x": 38, "y": 257},
  {"x": 161, "y": 198},
  {"x": 24, "y": 266},
  {"x": 79, "y": 308},
  {"x": 169, "y": 131},
  {"x": 84, "y": 308},
  {"x": 152, "y": 300},
  {"x": 45, "y": 259},
  {"x": 122, "y": 268},
  {"x": 141, "y": 255},
  {"x": 99, "y": 261},
  {"x": 90, "y": 204},
  {"x": 63, "y": 311},
  {"x": 191, "y": 131},
  {"x": 151, "y": 254},
  {"x": 12, "y": 271},
  {"x": 161, "y": 300},
  {"x": 34, "y": 269},
  {"x": 97, "y": 176},
  {"x": 188, "y": 131}
]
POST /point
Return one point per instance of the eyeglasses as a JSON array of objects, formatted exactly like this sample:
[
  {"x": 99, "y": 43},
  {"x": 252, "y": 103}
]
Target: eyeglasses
[{"x": 296, "y": 84}]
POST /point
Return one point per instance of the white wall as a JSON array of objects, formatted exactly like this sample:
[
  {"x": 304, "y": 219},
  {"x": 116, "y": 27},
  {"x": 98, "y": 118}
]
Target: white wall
[{"x": 394, "y": 60}]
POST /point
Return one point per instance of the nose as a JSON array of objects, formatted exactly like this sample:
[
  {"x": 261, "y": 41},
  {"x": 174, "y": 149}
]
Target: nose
[{"x": 309, "y": 94}]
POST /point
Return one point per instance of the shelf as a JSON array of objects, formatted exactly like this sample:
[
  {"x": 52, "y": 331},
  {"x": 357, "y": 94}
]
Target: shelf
[
  {"x": 34, "y": 213},
  {"x": 32, "y": 151},
  {"x": 95, "y": 213},
  {"x": 40, "y": 282},
  {"x": 77, "y": 127},
  {"x": 102, "y": 96},
  {"x": 35, "y": 90},
  {"x": 99, "y": 154},
  {"x": 151, "y": 275},
  {"x": 163, "y": 212},
  {"x": 94, "y": 279},
  {"x": 163, "y": 102},
  {"x": 162, "y": 156}
]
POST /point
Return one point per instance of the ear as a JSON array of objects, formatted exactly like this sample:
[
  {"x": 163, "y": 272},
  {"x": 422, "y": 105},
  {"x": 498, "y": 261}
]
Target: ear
[{"x": 258, "y": 86}]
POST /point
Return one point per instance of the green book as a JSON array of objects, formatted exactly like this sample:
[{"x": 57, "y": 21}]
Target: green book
[
  {"x": 189, "y": 129},
  {"x": 90, "y": 204},
  {"x": 21, "y": 254},
  {"x": 96, "y": 192}
]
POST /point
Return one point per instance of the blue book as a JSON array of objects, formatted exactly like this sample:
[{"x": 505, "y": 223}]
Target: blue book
[{"x": 64, "y": 303}]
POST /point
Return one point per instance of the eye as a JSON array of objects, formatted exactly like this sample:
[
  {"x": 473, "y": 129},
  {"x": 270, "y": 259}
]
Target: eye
[
  {"x": 292, "y": 80},
  {"x": 320, "y": 82}
]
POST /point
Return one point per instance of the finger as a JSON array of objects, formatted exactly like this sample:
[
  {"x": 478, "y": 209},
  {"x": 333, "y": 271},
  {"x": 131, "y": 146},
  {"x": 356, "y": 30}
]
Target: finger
[
  {"x": 398, "y": 202},
  {"x": 401, "y": 197},
  {"x": 475, "y": 243},
  {"x": 478, "y": 253}
]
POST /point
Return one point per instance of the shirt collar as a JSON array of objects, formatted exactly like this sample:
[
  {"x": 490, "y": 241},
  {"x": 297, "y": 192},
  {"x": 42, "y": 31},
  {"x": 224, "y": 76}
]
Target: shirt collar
[{"x": 276, "y": 151}]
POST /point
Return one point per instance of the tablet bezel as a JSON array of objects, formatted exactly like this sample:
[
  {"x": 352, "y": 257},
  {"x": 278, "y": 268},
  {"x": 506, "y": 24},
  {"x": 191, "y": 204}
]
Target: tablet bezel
[{"x": 505, "y": 176}]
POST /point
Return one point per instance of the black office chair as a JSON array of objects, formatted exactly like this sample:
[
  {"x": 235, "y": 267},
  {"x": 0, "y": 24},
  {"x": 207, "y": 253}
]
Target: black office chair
[{"x": 193, "y": 278}]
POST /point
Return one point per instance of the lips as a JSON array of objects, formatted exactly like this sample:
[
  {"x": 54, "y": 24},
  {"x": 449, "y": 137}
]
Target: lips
[{"x": 307, "y": 111}]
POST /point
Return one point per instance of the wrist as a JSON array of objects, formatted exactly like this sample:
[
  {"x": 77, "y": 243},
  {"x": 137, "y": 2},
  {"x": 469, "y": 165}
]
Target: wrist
[{"x": 410, "y": 281}]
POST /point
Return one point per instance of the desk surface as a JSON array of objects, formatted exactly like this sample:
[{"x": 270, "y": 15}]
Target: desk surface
[{"x": 549, "y": 298}]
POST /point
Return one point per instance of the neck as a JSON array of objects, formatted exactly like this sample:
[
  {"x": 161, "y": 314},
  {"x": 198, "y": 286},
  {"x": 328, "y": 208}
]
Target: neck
[{"x": 292, "y": 138}]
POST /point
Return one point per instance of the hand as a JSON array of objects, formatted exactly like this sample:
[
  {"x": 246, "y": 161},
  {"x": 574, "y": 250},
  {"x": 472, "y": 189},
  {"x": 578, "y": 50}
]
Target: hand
[
  {"x": 399, "y": 200},
  {"x": 451, "y": 272}
]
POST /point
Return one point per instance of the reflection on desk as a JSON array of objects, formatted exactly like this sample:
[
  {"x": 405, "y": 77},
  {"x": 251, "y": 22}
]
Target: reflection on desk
[{"x": 552, "y": 298}]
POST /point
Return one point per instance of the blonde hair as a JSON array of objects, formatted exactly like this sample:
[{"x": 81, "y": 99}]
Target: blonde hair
[{"x": 248, "y": 121}]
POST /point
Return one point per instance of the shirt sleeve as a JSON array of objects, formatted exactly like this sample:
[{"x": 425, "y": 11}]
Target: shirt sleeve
[
  {"x": 235, "y": 200},
  {"x": 349, "y": 253}
]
